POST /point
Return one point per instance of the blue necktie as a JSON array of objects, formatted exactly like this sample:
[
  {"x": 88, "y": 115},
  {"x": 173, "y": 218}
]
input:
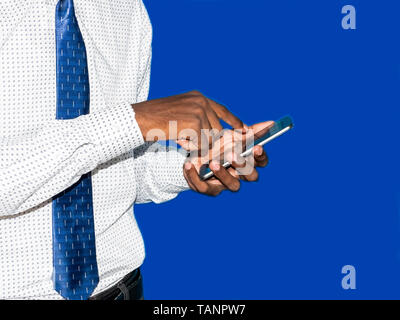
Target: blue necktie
[{"x": 75, "y": 273}]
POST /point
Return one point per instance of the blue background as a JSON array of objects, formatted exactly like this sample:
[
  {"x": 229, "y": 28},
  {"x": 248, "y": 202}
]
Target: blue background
[{"x": 330, "y": 195}]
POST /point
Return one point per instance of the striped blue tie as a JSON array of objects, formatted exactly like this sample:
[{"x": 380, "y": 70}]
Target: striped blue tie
[{"x": 74, "y": 253}]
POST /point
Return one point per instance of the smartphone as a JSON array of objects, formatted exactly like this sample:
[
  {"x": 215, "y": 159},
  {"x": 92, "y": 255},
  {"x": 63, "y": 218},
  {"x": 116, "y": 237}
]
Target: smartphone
[{"x": 280, "y": 127}]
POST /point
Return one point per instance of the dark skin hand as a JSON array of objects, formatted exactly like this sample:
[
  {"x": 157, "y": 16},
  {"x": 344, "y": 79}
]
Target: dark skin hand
[
  {"x": 228, "y": 179},
  {"x": 196, "y": 112},
  {"x": 190, "y": 110}
]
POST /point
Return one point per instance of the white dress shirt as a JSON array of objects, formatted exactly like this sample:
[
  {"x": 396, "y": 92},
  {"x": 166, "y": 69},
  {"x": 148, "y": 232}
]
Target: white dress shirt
[{"x": 41, "y": 156}]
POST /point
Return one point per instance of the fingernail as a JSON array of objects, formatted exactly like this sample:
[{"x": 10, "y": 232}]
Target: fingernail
[
  {"x": 188, "y": 165},
  {"x": 258, "y": 151}
]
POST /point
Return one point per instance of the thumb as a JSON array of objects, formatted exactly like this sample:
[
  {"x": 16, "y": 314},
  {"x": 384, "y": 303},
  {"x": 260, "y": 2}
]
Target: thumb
[{"x": 261, "y": 128}]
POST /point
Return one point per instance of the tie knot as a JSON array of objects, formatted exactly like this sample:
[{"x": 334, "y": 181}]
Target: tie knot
[{"x": 65, "y": 10}]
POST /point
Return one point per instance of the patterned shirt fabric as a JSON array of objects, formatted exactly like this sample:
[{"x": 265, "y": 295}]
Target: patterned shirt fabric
[{"x": 40, "y": 156}]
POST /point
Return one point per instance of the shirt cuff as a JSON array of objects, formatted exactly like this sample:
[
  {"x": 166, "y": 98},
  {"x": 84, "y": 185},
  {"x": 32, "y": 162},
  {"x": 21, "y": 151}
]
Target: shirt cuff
[
  {"x": 114, "y": 131},
  {"x": 176, "y": 160}
]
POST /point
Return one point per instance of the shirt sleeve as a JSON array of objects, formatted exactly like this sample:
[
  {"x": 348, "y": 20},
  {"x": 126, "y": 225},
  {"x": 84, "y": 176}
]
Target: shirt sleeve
[
  {"x": 40, "y": 163},
  {"x": 159, "y": 173},
  {"x": 158, "y": 169}
]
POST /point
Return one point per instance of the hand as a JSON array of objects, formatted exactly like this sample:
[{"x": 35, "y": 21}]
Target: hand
[
  {"x": 192, "y": 112},
  {"x": 228, "y": 179}
]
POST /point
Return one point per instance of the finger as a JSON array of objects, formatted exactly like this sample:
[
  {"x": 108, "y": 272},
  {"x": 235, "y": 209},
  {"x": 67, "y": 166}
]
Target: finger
[
  {"x": 192, "y": 177},
  {"x": 236, "y": 161},
  {"x": 193, "y": 133},
  {"x": 199, "y": 185},
  {"x": 224, "y": 114},
  {"x": 206, "y": 134},
  {"x": 253, "y": 176},
  {"x": 259, "y": 129},
  {"x": 213, "y": 117},
  {"x": 233, "y": 172},
  {"x": 185, "y": 144},
  {"x": 186, "y": 170},
  {"x": 230, "y": 182},
  {"x": 244, "y": 168},
  {"x": 188, "y": 144},
  {"x": 260, "y": 156},
  {"x": 226, "y": 145}
]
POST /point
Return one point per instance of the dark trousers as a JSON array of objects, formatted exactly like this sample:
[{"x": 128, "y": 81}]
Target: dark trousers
[{"x": 129, "y": 288}]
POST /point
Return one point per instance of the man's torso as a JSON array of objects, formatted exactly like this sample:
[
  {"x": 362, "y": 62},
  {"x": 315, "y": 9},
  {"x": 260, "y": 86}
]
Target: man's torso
[{"x": 112, "y": 31}]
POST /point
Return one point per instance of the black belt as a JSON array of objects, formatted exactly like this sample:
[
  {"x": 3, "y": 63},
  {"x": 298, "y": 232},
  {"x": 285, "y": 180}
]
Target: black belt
[{"x": 129, "y": 288}]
